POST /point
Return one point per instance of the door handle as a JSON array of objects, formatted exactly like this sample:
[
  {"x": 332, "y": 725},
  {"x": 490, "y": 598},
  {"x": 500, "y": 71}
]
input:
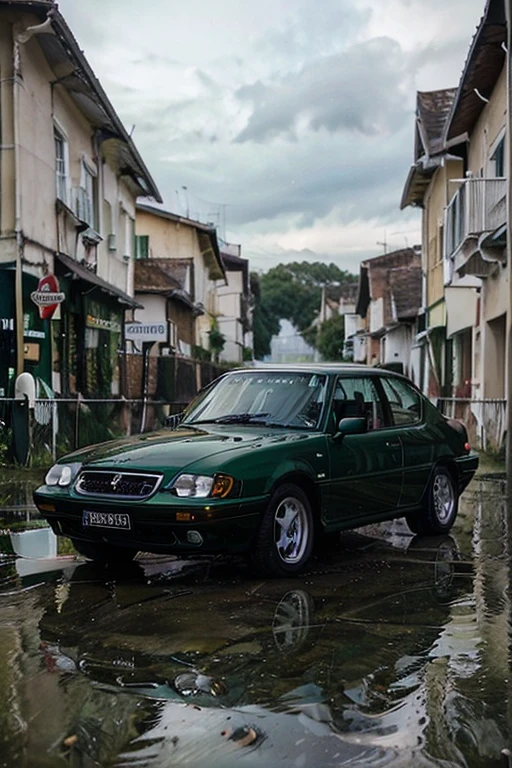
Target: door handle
[{"x": 391, "y": 444}]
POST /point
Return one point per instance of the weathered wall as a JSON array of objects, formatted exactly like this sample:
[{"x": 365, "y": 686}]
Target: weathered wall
[
  {"x": 439, "y": 193},
  {"x": 489, "y": 128},
  {"x": 398, "y": 346}
]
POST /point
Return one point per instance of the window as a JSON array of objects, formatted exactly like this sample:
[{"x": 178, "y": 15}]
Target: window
[
  {"x": 404, "y": 401},
  {"x": 86, "y": 195},
  {"x": 357, "y": 398},
  {"x": 142, "y": 246},
  {"x": 127, "y": 239},
  {"x": 499, "y": 159},
  {"x": 61, "y": 165}
]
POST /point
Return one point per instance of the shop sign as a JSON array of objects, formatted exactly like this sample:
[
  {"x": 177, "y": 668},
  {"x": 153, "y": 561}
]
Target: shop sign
[
  {"x": 47, "y": 296},
  {"x": 101, "y": 324},
  {"x": 34, "y": 334},
  {"x": 146, "y": 331}
]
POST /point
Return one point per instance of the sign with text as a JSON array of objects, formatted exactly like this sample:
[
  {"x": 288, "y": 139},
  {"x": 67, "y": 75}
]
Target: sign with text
[
  {"x": 48, "y": 296},
  {"x": 146, "y": 331},
  {"x": 102, "y": 324}
]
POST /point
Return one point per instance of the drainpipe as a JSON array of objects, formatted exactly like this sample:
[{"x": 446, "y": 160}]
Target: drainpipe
[
  {"x": 508, "y": 12},
  {"x": 18, "y": 290},
  {"x": 506, "y": 755}
]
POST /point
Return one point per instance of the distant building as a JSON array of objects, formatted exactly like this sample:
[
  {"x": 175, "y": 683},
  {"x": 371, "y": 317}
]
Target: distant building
[
  {"x": 341, "y": 300},
  {"x": 234, "y": 306},
  {"x": 389, "y": 299},
  {"x": 188, "y": 252}
]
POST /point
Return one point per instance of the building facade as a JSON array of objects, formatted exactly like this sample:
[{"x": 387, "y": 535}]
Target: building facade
[
  {"x": 188, "y": 252},
  {"x": 459, "y": 180},
  {"x": 70, "y": 176}
]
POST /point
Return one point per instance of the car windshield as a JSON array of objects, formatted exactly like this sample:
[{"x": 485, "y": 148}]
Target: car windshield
[{"x": 273, "y": 399}]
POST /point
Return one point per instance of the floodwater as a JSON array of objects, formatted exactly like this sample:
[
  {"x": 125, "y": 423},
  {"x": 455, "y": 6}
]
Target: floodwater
[{"x": 390, "y": 651}]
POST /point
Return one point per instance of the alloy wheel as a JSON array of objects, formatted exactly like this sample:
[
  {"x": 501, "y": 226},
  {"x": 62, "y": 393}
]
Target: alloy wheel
[
  {"x": 291, "y": 530},
  {"x": 443, "y": 498}
]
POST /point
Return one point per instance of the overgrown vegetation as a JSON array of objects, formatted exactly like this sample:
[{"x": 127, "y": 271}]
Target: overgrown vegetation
[
  {"x": 328, "y": 338},
  {"x": 216, "y": 341}
]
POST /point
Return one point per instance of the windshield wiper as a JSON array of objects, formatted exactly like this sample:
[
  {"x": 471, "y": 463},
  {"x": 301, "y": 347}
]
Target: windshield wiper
[
  {"x": 287, "y": 425},
  {"x": 234, "y": 418}
]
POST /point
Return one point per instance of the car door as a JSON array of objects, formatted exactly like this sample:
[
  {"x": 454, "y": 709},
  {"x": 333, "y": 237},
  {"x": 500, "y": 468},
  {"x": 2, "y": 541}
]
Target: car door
[
  {"x": 407, "y": 414},
  {"x": 365, "y": 469}
]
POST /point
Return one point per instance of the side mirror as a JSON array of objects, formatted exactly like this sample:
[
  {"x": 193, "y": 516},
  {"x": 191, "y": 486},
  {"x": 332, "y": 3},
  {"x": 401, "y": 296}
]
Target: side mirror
[
  {"x": 352, "y": 426},
  {"x": 174, "y": 420}
]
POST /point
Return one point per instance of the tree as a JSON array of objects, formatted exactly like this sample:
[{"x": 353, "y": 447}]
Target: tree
[
  {"x": 293, "y": 292},
  {"x": 265, "y": 324},
  {"x": 331, "y": 335},
  {"x": 216, "y": 340}
]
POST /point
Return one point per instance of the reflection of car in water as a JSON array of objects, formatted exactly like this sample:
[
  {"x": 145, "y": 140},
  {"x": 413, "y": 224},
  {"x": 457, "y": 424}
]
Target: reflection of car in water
[
  {"x": 349, "y": 649},
  {"x": 165, "y": 630}
]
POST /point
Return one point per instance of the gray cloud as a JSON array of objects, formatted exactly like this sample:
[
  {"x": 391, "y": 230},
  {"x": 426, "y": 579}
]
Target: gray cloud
[
  {"x": 362, "y": 89},
  {"x": 288, "y": 117}
]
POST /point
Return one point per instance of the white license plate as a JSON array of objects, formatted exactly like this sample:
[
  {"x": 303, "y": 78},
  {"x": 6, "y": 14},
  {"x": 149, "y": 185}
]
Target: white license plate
[{"x": 120, "y": 520}]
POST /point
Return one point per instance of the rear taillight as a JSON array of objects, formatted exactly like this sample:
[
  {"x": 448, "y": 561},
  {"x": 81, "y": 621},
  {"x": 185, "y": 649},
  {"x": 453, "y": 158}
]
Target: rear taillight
[{"x": 467, "y": 447}]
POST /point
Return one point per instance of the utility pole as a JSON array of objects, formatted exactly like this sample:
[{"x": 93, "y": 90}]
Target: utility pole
[
  {"x": 187, "y": 210},
  {"x": 384, "y": 243}
]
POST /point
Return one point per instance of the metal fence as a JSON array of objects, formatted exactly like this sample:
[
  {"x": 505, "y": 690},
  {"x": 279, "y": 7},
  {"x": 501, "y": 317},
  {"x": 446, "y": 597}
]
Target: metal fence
[
  {"x": 45, "y": 430},
  {"x": 55, "y": 427},
  {"x": 479, "y": 205},
  {"x": 485, "y": 420}
]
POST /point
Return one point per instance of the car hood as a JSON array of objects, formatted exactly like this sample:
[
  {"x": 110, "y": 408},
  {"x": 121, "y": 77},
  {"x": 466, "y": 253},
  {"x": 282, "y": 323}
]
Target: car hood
[{"x": 164, "y": 449}]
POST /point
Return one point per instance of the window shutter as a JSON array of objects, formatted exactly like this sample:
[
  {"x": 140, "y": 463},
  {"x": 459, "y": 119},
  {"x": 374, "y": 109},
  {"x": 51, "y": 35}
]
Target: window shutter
[{"x": 141, "y": 246}]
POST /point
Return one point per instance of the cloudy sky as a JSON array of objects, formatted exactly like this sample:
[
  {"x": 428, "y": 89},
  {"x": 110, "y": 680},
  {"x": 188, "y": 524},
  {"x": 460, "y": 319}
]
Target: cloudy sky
[{"x": 289, "y": 123}]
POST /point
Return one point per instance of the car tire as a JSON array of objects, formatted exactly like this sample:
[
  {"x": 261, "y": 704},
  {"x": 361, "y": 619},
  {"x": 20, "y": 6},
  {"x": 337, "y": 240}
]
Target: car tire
[
  {"x": 285, "y": 540},
  {"x": 103, "y": 553},
  {"x": 440, "y": 506}
]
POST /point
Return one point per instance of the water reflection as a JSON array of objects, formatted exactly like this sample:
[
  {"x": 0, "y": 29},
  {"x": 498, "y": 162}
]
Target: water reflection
[{"x": 381, "y": 655}]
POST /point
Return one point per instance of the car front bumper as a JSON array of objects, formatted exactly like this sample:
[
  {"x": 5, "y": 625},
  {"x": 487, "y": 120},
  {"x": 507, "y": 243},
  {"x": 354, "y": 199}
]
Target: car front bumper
[{"x": 219, "y": 527}]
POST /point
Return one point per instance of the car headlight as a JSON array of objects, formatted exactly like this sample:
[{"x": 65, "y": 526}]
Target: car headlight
[
  {"x": 202, "y": 486},
  {"x": 62, "y": 474}
]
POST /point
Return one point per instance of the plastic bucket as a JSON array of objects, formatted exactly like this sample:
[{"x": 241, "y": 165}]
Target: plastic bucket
[{"x": 35, "y": 543}]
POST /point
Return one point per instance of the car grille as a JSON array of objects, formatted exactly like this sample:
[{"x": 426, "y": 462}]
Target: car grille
[{"x": 124, "y": 485}]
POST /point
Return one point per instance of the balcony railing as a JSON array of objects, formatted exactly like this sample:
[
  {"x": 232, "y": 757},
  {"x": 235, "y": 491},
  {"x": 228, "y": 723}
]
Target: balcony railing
[{"x": 478, "y": 206}]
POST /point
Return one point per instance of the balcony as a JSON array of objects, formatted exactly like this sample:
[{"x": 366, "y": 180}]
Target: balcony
[{"x": 473, "y": 220}]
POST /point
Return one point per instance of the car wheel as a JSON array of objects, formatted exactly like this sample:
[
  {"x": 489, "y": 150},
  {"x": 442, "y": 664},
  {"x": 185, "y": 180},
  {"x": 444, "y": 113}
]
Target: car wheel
[
  {"x": 285, "y": 538},
  {"x": 440, "y": 508},
  {"x": 103, "y": 553}
]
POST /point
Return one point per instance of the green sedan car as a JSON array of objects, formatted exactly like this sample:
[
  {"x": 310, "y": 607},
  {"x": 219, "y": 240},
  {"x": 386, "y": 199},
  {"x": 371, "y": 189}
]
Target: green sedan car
[{"x": 266, "y": 461}]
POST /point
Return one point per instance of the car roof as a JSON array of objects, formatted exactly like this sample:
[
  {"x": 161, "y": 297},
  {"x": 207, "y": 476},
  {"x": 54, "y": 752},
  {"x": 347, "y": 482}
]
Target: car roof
[{"x": 327, "y": 368}]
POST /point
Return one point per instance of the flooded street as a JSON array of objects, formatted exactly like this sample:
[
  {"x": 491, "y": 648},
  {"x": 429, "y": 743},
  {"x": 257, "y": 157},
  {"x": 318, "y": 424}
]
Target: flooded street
[{"x": 391, "y": 650}]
